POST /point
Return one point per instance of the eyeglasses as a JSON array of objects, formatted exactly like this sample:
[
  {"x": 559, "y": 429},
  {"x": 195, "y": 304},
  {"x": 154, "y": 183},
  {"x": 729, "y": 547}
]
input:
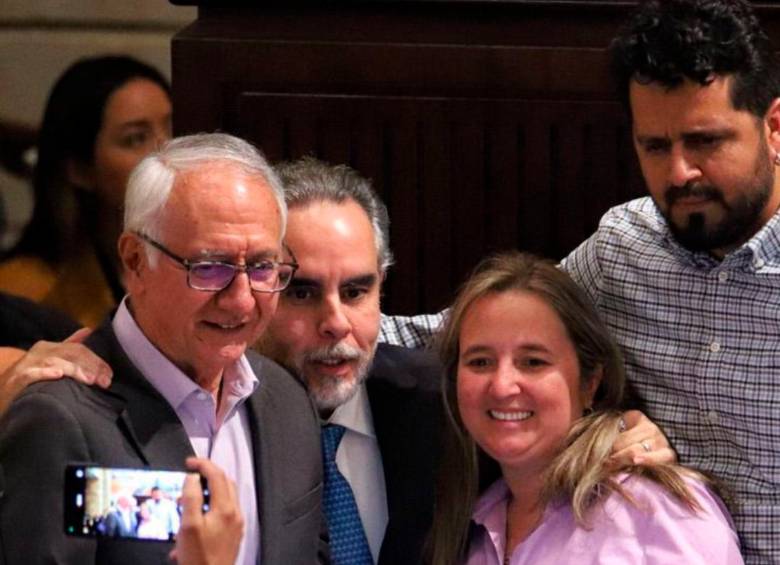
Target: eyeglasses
[{"x": 213, "y": 276}]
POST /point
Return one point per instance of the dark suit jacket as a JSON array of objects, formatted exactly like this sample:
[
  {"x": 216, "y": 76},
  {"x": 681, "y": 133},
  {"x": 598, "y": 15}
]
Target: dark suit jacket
[
  {"x": 403, "y": 390},
  {"x": 114, "y": 525},
  {"x": 131, "y": 425}
]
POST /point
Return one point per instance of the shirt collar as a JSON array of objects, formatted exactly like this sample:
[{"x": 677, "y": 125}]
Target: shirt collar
[
  {"x": 355, "y": 414},
  {"x": 486, "y": 505},
  {"x": 238, "y": 379},
  {"x": 761, "y": 253},
  {"x": 765, "y": 247}
]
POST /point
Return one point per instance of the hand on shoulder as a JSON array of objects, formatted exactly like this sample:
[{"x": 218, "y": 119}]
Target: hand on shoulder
[{"x": 48, "y": 361}]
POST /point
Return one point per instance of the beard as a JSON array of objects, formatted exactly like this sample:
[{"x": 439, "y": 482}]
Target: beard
[
  {"x": 740, "y": 218},
  {"x": 328, "y": 391}
]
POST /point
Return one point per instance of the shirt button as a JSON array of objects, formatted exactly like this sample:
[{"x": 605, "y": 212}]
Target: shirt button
[
  {"x": 202, "y": 396},
  {"x": 713, "y": 416},
  {"x": 714, "y": 347},
  {"x": 723, "y": 276}
]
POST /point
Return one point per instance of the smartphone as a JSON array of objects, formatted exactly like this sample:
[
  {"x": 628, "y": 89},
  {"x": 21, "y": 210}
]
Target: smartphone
[{"x": 137, "y": 504}]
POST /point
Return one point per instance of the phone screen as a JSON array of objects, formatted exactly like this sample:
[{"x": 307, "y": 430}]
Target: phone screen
[{"x": 141, "y": 504}]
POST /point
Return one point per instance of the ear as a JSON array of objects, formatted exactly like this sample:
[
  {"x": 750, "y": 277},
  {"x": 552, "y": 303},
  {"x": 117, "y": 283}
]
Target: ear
[
  {"x": 591, "y": 386},
  {"x": 80, "y": 175},
  {"x": 132, "y": 255},
  {"x": 772, "y": 125}
]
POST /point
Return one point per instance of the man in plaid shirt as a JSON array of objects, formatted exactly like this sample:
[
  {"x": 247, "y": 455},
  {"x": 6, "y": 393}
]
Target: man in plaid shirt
[{"x": 688, "y": 279}]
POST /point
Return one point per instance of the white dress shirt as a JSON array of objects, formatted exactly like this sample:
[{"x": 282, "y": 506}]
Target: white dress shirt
[{"x": 358, "y": 458}]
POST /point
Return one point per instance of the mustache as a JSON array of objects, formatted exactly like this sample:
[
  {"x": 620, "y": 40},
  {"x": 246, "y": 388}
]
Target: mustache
[
  {"x": 689, "y": 190},
  {"x": 337, "y": 351}
]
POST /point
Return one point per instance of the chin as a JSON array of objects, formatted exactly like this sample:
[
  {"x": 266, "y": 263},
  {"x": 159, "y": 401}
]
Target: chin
[
  {"x": 231, "y": 353},
  {"x": 333, "y": 395}
]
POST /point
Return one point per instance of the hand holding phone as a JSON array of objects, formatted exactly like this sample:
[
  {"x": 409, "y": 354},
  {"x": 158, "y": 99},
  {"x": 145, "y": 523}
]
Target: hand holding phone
[
  {"x": 135, "y": 504},
  {"x": 208, "y": 538}
]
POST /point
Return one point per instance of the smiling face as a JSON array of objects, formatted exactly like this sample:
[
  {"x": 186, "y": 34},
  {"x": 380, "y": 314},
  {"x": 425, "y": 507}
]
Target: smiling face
[
  {"x": 518, "y": 380},
  {"x": 326, "y": 326},
  {"x": 216, "y": 212},
  {"x": 707, "y": 166}
]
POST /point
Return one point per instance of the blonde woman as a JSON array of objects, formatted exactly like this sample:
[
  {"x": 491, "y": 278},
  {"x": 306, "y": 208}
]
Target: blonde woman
[{"x": 533, "y": 384}]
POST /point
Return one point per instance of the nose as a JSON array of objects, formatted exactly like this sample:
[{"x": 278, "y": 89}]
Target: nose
[
  {"x": 506, "y": 380},
  {"x": 237, "y": 297},
  {"x": 682, "y": 167},
  {"x": 333, "y": 323}
]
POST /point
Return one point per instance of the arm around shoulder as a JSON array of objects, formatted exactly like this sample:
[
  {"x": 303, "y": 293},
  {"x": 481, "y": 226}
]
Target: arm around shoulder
[
  {"x": 584, "y": 267},
  {"x": 674, "y": 533}
]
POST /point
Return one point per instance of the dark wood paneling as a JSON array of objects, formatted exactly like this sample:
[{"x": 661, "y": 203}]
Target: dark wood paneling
[
  {"x": 484, "y": 125},
  {"x": 461, "y": 177}
]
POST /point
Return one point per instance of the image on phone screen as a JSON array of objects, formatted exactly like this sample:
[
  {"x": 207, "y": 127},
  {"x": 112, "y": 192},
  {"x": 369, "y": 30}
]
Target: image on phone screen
[{"x": 142, "y": 504}]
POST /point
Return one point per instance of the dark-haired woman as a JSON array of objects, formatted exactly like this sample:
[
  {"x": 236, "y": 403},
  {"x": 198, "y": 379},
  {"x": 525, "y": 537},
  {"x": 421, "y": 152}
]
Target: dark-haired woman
[{"x": 103, "y": 116}]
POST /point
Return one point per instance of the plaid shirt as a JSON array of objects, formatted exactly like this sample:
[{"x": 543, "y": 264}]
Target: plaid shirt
[
  {"x": 413, "y": 332},
  {"x": 701, "y": 339}
]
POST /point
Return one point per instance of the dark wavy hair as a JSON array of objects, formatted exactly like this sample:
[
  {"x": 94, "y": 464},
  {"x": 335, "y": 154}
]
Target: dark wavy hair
[
  {"x": 668, "y": 41},
  {"x": 71, "y": 123}
]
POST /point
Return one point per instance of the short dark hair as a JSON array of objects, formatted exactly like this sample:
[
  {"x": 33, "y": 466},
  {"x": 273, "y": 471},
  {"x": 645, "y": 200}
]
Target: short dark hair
[{"x": 667, "y": 41}]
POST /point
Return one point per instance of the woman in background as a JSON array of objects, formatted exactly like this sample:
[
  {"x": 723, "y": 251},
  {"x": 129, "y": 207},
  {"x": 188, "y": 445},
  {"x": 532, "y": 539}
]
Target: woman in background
[
  {"x": 103, "y": 116},
  {"x": 533, "y": 385}
]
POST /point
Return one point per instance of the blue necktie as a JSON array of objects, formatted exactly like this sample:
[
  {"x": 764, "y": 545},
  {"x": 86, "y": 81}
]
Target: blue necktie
[{"x": 348, "y": 545}]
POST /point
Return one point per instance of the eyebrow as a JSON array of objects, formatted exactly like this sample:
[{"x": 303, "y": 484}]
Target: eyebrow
[
  {"x": 303, "y": 281},
  {"x": 720, "y": 131},
  {"x": 146, "y": 120},
  {"x": 360, "y": 280},
  {"x": 136, "y": 123},
  {"x": 224, "y": 256},
  {"x": 649, "y": 138},
  {"x": 479, "y": 348}
]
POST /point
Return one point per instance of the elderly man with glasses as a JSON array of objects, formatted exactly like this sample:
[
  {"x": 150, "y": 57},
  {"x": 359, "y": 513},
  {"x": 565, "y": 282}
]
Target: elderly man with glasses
[{"x": 204, "y": 263}]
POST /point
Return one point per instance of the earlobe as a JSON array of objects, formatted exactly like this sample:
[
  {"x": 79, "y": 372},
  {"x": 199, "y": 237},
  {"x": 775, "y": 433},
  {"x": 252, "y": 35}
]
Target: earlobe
[
  {"x": 80, "y": 175},
  {"x": 772, "y": 122},
  {"x": 590, "y": 387},
  {"x": 131, "y": 254}
]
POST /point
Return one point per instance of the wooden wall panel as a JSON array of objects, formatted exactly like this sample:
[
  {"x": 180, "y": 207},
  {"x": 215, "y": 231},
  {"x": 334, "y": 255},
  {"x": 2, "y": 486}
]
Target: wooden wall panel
[
  {"x": 485, "y": 125},
  {"x": 461, "y": 177}
]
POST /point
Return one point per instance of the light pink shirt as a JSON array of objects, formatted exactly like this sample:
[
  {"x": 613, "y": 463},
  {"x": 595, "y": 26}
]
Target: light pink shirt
[
  {"x": 659, "y": 530},
  {"x": 220, "y": 436}
]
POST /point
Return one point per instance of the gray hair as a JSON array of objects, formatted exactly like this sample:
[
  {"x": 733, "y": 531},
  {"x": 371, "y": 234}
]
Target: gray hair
[
  {"x": 151, "y": 182},
  {"x": 310, "y": 180}
]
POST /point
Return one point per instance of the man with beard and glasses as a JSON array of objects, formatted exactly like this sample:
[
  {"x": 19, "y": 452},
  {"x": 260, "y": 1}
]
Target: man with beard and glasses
[
  {"x": 688, "y": 279},
  {"x": 384, "y": 400}
]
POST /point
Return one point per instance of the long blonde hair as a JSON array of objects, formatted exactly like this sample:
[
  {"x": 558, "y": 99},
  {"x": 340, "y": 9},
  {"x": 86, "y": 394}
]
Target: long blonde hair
[{"x": 578, "y": 472}]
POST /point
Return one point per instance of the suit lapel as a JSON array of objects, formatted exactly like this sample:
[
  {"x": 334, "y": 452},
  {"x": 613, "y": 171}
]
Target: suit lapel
[
  {"x": 406, "y": 419},
  {"x": 144, "y": 416},
  {"x": 388, "y": 404},
  {"x": 258, "y": 407}
]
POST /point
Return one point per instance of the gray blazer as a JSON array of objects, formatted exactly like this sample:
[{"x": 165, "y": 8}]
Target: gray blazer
[{"x": 54, "y": 423}]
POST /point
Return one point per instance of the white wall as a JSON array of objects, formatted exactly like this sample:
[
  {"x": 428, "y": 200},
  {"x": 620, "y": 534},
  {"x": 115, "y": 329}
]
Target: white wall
[{"x": 39, "y": 39}]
